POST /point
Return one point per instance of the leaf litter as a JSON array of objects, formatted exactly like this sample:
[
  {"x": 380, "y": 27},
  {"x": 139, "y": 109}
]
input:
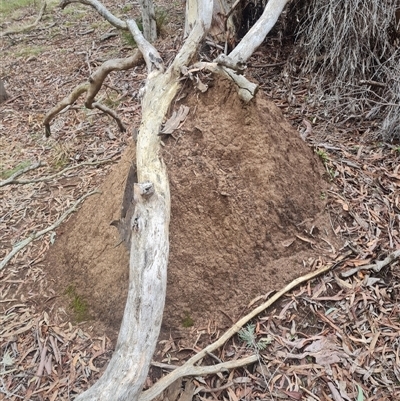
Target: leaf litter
[{"x": 335, "y": 338}]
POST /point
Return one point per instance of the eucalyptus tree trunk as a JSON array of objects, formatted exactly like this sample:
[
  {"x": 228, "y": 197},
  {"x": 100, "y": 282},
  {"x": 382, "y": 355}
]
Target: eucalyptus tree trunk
[{"x": 148, "y": 221}]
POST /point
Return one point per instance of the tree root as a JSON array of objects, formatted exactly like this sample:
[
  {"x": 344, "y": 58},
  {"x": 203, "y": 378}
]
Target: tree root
[{"x": 40, "y": 233}]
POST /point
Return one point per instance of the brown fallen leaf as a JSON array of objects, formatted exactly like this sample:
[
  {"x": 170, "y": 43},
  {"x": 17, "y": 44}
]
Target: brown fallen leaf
[{"x": 175, "y": 120}]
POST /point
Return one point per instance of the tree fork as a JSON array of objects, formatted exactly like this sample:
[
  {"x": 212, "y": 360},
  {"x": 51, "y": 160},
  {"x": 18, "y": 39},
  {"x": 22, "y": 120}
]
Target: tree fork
[{"x": 127, "y": 370}]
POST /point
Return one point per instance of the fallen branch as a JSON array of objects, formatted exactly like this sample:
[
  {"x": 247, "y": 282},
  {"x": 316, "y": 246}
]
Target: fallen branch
[
  {"x": 26, "y": 27},
  {"x": 188, "y": 367},
  {"x": 62, "y": 172},
  {"x": 149, "y": 52},
  {"x": 101, "y": 9},
  {"x": 212, "y": 369},
  {"x": 92, "y": 87},
  {"x": 246, "y": 89},
  {"x": 377, "y": 267},
  {"x": 256, "y": 35},
  {"x": 37, "y": 235},
  {"x": 11, "y": 179}
]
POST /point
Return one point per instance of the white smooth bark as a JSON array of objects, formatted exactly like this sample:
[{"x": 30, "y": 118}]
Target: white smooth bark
[
  {"x": 129, "y": 365},
  {"x": 256, "y": 35},
  {"x": 149, "y": 20}
]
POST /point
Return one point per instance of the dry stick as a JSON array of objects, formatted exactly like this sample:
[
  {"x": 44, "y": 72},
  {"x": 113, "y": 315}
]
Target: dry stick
[
  {"x": 51, "y": 177},
  {"x": 92, "y": 88},
  {"x": 101, "y": 9},
  {"x": 27, "y": 27},
  {"x": 377, "y": 267},
  {"x": 12, "y": 178},
  {"x": 34, "y": 236},
  {"x": 187, "y": 368}
]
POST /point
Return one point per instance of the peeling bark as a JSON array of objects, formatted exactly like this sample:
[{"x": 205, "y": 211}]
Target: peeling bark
[{"x": 149, "y": 222}]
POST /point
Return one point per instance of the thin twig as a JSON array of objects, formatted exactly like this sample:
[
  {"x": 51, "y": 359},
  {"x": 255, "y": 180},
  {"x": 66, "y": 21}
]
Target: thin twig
[
  {"x": 377, "y": 267},
  {"x": 37, "y": 235},
  {"x": 11, "y": 179},
  {"x": 62, "y": 172}
]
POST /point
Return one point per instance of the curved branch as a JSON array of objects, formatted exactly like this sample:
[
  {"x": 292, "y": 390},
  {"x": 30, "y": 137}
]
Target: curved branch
[
  {"x": 256, "y": 35},
  {"x": 67, "y": 101},
  {"x": 92, "y": 88},
  {"x": 27, "y": 27},
  {"x": 101, "y": 9},
  {"x": 111, "y": 113},
  {"x": 149, "y": 52}
]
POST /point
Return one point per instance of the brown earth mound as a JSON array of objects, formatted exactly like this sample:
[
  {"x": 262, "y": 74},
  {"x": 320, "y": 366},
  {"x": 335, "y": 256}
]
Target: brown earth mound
[{"x": 247, "y": 216}]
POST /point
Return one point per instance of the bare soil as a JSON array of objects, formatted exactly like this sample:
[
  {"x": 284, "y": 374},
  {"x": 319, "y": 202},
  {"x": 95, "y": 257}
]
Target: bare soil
[{"x": 247, "y": 215}]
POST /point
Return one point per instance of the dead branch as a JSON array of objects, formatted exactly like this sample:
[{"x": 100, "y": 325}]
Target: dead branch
[
  {"x": 149, "y": 52},
  {"x": 11, "y": 179},
  {"x": 256, "y": 35},
  {"x": 51, "y": 177},
  {"x": 246, "y": 89},
  {"x": 235, "y": 65},
  {"x": 187, "y": 367},
  {"x": 26, "y": 27},
  {"x": 149, "y": 20},
  {"x": 92, "y": 87},
  {"x": 212, "y": 369},
  {"x": 376, "y": 267},
  {"x": 101, "y": 9},
  {"x": 149, "y": 225},
  {"x": 37, "y": 235}
]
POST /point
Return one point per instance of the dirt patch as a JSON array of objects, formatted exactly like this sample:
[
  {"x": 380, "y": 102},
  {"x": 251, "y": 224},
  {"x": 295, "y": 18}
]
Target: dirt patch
[{"x": 247, "y": 216}]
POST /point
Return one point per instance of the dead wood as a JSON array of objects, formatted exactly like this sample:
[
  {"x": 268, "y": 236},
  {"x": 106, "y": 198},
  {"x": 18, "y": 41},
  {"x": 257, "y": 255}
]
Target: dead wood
[
  {"x": 33, "y": 236},
  {"x": 245, "y": 89},
  {"x": 101, "y": 9},
  {"x": 376, "y": 267},
  {"x": 11, "y": 179},
  {"x": 92, "y": 87},
  {"x": 188, "y": 369}
]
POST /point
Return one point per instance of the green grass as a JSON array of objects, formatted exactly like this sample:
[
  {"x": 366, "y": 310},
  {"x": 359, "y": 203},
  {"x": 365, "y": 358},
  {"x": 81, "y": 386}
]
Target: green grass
[
  {"x": 77, "y": 304},
  {"x": 30, "y": 51},
  {"x": 187, "y": 321},
  {"x": 8, "y": 6},
  {"x": 4, "y": 174}
]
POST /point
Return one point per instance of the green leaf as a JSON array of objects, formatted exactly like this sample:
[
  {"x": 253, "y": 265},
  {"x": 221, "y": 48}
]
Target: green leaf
[{"x": 360, "y": 396}]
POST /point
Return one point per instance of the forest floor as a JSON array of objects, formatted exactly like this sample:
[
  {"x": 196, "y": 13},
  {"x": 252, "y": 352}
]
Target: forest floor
[{"x": 261, "y": 194}]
